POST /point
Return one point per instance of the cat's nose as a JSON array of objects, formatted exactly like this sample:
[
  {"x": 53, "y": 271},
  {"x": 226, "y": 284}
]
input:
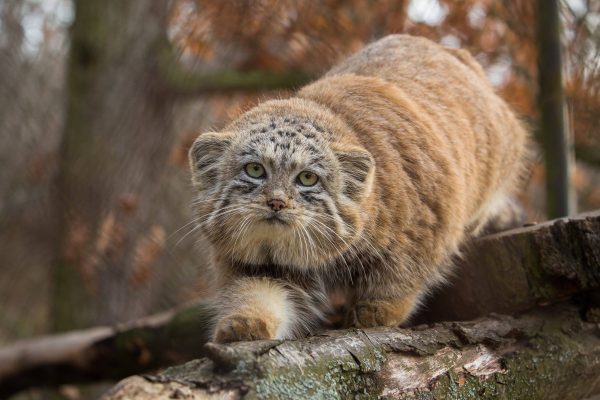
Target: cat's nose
[{"x": 277, "y": 204}]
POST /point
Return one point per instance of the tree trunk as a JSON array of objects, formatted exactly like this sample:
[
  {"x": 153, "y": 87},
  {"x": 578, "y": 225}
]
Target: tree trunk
[
  {"x": 115, "y": 146},
  {"x": 560, "y": 196},
  {"x": 114, "y": 189}
]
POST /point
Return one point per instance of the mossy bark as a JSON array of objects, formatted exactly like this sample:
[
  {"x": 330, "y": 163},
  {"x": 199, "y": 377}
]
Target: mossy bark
[
  {"x": 106, "y": 353},
  {"x": 549, "y": 353}
]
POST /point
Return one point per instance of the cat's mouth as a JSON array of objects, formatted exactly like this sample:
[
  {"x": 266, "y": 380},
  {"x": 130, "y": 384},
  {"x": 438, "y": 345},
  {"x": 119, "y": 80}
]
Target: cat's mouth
[{"x": 276, "y": 219}]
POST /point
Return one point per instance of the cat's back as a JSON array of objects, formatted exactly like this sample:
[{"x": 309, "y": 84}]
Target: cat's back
[
  {"x": 439, "y": 133},
  {"x": 415, "y": 61}
]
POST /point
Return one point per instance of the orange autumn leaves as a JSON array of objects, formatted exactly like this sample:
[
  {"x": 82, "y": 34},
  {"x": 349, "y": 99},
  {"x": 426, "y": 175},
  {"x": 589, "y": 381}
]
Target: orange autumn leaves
[{"x": 311, "y": 36}]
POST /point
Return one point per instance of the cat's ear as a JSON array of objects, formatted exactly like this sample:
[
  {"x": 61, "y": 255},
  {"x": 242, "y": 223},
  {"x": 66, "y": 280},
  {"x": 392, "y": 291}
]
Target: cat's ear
[
  {"x": 204, "y": 156},
  {"x": 358, "y": 170}
]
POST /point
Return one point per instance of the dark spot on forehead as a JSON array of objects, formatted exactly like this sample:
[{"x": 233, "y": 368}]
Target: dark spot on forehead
[
  {"x": 285, "y": 135},
  {"x": 317, "y": 163},
  {"x": 249, "y": 152}
]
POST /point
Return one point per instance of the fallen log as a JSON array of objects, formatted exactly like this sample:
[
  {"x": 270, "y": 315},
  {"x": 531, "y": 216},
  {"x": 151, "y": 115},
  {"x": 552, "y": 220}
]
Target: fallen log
[
  {"x": 548, "y": 353},
  {"x": 106, "y": 353},
  {"x": 507, "y": 272},
  {"x": 521, "y": 268}
]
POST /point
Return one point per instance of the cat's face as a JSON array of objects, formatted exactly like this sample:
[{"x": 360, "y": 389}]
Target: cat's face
[{"x": 279, "y": 192}]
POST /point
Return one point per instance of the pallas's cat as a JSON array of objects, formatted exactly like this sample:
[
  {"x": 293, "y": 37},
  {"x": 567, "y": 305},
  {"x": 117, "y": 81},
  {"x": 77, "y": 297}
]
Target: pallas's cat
[{"x": 365, "y": 181}]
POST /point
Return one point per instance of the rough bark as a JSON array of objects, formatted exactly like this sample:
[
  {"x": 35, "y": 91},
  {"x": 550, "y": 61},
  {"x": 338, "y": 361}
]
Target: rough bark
[
  {"x": 511, "y": 271},
  {"x": 550, "y": 353},
  {"x": 518, "y": 269}
]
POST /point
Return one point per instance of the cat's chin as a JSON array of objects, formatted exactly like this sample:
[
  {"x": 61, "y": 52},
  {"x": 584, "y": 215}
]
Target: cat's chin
[
  {"x": 276, "y": 251},
  {"x": 279, "y": 240},
  {"x": 276, "y": 220}
]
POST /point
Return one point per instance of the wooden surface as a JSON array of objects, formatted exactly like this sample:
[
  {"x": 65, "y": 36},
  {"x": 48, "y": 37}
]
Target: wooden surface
[
  {"x": 521, "y": 268},
  {"x": 509, "y": 272},
  {"x": 549, "y": 353}
]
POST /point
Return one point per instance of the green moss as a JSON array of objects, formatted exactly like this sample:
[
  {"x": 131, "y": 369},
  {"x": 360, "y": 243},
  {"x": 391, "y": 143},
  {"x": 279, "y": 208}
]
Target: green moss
[
  {"x": 336, "y": 376},
  {"x": 316, "y": 382},
  {"x": 550, "y": 364}
]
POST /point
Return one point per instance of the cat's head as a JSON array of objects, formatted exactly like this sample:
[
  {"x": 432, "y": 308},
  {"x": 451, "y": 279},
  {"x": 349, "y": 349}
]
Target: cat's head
[{"x": 279, "y": 187}]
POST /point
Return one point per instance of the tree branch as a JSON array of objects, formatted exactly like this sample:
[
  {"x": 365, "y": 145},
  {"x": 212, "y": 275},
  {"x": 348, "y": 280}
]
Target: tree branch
[
  {"x": 184, "y": 81},
  {"x": 589, "y": 154},
  {"x": 106, "y": 353},
  {"x": 549, "y": 353}
]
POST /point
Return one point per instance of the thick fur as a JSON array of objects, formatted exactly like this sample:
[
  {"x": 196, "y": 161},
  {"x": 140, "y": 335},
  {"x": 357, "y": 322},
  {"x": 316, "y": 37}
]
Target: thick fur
[{"x": 414, "y": 153}]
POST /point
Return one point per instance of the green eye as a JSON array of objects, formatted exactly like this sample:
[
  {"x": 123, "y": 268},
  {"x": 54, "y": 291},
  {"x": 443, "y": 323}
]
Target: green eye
[
  {"x": 306, "y": 178},
  {"x": 255, "y": 170}
]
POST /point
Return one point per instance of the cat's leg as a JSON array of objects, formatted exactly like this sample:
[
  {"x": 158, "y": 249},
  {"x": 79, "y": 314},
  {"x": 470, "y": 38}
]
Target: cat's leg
[
  {"x": 384, "y": 299},
  {"x": 392, "y": 311},
  {"x": 263, "y": 308}
]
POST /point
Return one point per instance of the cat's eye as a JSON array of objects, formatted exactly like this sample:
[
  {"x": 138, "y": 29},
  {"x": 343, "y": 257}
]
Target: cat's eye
[
  {"x": 306, "y": 178},
  {"x": 255, "y": 170}
]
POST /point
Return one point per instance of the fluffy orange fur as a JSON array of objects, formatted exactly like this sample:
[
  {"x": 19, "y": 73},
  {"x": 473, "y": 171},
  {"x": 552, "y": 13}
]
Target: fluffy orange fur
[{"x": 416, "y": 153}]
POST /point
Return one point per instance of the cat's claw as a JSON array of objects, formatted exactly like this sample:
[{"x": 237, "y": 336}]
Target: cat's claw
[{"x": 237, "y": 328}]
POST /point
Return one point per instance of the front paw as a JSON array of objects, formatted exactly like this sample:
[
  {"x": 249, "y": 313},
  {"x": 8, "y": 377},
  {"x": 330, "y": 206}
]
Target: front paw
[
  {"x": 235, "y": 328},
  {"x": 368, "y": 315}
]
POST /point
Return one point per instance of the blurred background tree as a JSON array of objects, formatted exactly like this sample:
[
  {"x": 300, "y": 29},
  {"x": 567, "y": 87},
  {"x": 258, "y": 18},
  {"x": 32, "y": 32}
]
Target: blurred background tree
[{"x": 99, "y": 102}]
